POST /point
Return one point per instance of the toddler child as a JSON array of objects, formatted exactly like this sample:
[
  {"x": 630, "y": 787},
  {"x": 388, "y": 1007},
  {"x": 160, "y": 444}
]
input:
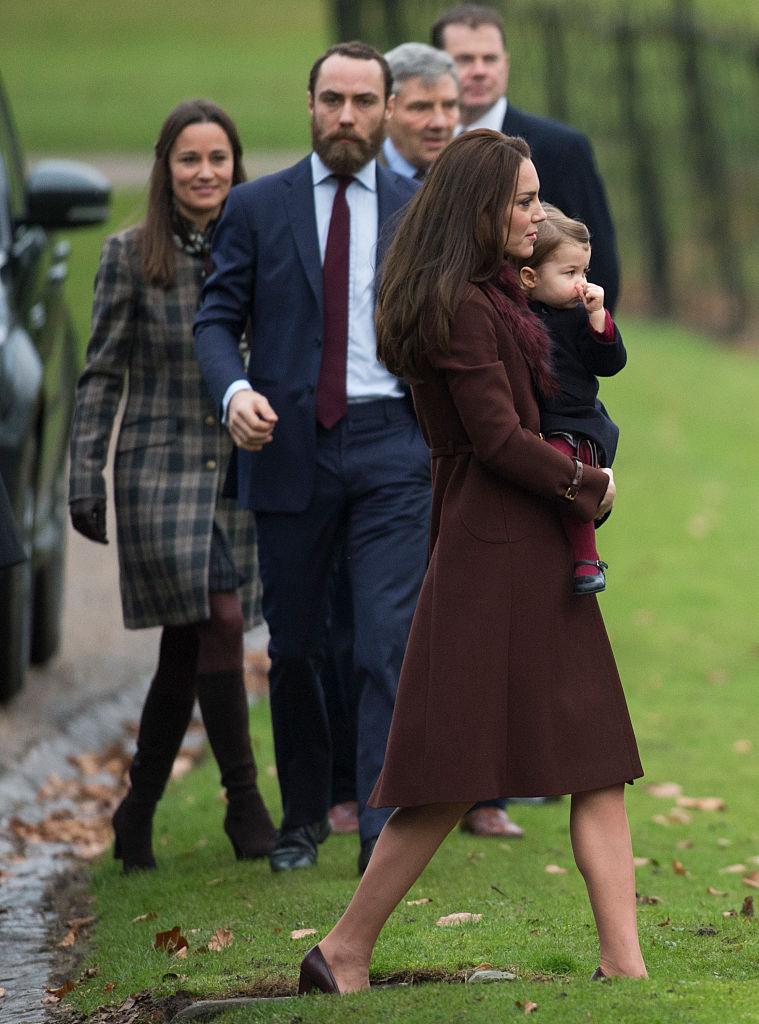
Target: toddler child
[{"x": 585, "y": 345}]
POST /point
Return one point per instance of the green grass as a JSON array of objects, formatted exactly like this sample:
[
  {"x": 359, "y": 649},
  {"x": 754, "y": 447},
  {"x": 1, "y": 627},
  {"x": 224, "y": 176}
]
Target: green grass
[
  {"x": 88, "y": 76},
  {"x": 681, "y": 612}
]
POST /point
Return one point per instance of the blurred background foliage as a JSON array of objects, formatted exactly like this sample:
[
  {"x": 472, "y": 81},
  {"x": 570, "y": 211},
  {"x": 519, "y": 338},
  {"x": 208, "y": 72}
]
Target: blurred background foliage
[{"x": 666, "y": 90}]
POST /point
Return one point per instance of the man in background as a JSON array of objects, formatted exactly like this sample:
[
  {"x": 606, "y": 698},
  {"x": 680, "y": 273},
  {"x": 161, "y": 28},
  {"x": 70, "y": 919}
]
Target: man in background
[
  {"x": 474, "y": 36},
  {"x": 426, "y": 110}
]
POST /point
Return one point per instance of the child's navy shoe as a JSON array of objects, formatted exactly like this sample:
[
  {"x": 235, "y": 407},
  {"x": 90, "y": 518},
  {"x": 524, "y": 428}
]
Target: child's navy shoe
[{"x": 593, "y": 583}]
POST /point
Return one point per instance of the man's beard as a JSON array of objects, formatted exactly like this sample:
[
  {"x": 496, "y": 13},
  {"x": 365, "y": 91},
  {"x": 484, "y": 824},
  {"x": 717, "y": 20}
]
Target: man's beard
[{"x": 346, "y": 157}]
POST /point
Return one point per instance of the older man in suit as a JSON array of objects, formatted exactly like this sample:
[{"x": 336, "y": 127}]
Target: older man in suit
[
  {"x": 474, "y": 36},
  {"x": 425, "y": 109},
  {"x": 328, "y": 446}
]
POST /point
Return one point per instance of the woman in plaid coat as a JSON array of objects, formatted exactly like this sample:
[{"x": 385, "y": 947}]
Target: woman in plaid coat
[{"x": 187, "y": 556}]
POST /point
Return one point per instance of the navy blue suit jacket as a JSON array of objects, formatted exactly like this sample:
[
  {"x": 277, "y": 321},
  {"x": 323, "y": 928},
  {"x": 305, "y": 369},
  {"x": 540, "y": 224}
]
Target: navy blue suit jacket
[
  {"x": 570, "y": 180},
  {"x": 267, "y": 269}
]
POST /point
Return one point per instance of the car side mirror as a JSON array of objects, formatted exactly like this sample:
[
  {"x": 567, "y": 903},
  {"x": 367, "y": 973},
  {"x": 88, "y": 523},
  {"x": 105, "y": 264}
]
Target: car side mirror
[{"x": 66, "y": 194}]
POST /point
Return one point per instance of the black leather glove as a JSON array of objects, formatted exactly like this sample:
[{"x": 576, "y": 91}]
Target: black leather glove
[{"x": 88, "y": 518}]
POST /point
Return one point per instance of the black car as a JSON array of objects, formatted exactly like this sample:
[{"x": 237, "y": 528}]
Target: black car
[{"x": 38, "y": 369}]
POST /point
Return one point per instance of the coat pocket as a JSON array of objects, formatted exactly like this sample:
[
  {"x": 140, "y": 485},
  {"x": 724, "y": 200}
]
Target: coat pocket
[
  {"x": 146, "y": 432},
  {"x": 495, "y": 511}
]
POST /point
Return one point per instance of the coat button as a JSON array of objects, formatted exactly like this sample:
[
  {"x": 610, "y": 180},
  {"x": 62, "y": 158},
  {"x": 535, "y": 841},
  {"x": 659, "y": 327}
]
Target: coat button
[
  {"x": 211, "y": 464},
  {"x": 210, "y": 421}
]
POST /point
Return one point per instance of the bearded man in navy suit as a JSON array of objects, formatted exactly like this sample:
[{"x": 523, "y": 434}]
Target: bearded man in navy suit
[
  {"x": 328, "y": 449},
  {"x": 474, "y": 36}
]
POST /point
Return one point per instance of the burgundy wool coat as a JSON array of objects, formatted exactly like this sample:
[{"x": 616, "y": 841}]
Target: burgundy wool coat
[{"x": 509, "y": 685}]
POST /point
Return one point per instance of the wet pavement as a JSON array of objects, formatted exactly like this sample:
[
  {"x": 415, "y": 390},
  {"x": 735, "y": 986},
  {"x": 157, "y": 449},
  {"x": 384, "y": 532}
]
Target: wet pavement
[{"x": 79, "y": 701}]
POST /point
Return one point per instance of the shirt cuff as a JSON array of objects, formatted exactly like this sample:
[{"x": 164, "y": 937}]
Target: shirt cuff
[
  {"x": 234, "y": 387},
  {"x": 608, "y": 333}
]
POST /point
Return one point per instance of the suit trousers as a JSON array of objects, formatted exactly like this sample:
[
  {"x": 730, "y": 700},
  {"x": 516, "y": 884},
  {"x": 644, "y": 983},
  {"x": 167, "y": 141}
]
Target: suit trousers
[{"x": 372, "y": 492}]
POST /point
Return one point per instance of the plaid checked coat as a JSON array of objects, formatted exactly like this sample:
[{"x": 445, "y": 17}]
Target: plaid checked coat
[{"x": 171, "y": 452}]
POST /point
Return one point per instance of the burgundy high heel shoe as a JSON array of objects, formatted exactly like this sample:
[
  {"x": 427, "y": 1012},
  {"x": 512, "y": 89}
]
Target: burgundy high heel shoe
[{"x": 316, "y": 975}]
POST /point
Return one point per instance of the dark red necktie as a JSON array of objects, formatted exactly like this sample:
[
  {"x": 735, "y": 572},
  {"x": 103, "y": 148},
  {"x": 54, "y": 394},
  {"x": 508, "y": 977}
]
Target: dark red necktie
[{"x": 331, "y": 398}]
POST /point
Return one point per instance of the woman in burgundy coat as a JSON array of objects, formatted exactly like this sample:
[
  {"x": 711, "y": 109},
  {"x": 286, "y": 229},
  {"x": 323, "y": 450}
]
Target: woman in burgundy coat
[{"x": 499, "y": 644}]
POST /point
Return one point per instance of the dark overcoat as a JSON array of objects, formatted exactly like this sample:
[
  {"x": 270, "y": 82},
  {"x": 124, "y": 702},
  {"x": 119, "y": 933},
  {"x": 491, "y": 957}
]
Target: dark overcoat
[
  {"x": 171, "y": 451},
  {"x": 579, "y": 358},
  {"x": 509, "y": 685}
]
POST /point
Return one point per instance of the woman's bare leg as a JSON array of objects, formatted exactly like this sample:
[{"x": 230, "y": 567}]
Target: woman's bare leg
[
  {"x": 603, "y": 852},
  {"x": 404, "y": 848}
]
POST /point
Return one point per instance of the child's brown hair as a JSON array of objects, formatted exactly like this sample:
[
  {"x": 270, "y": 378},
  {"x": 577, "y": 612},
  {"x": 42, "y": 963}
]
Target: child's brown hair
[{"x": 552, "y": 231}]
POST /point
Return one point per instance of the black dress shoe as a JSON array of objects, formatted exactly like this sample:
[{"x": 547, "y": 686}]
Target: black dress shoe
[
  {"x": 296, "y": 847},
  {"x": 367, "y": 849},
  {"x": 316, "y": 974},
  {"x": 594, "y": 583}
]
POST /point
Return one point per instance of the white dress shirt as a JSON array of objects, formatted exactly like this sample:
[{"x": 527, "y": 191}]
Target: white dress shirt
[
  {"x": 396, "y": 162},
  {"x": 492, "y": 118},
  {"x": 366, "y": 378}
]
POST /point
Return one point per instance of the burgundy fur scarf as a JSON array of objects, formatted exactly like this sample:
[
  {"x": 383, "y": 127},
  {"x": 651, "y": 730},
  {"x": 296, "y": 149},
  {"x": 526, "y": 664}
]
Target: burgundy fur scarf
[{"x": 528, "y": 331}]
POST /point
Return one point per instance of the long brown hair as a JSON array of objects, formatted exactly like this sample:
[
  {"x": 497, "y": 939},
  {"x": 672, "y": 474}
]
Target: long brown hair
[
  {"x": 156, "y": 234},
  {"x": 452, "y": 233}
]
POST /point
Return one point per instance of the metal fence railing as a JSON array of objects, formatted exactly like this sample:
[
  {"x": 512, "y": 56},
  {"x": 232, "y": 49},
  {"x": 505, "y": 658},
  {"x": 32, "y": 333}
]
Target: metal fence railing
[{"x": 669, "y": 104}]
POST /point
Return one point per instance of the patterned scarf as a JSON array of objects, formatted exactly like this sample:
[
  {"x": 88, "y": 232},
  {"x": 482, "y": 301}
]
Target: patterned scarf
[
  {"x": 510, "y": 300},
  {"x": 190, "y": 239}
]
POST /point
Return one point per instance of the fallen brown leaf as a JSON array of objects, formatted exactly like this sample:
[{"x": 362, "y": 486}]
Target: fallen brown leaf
[
  {"x": 677, "y": 816},
  {"x": 171, "y": 941},
  {"x": 455, "y": 919},
  {"x": 679, "y": 868},
  {"x": 418, "y": 903},
  {"x": 747, "y": 910},
  {"x": 554, "y": 869},
  {"x": 641, "y": 862},
  {"x": 526, "y": 1006},
  {"x": 181, "y": 953},
  {"x": 150, "y": 916},
  {"x": 183, "y": 764},
  {"x": 664, "y": 923},
  {"x": 752, "y": 879},
  {"x": 68, "y": 939},
  {"x": 59, "y": 993},
  {"x": 664, "y": 790},
  {"x": 302, "y": 933},
  {"x": 647, "y": 901},
  {"x": 702, "y": 803},
  {"x": 81, "y": 922},
  {"x": 733, "y": 869},
  {"x": 2, "y": 992},
  {"x": 729, "y": 913},
  {"x": 220, "y": 939},
  {"x": 715, "y": 892},
  {"x": 109, "y": 986}
]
